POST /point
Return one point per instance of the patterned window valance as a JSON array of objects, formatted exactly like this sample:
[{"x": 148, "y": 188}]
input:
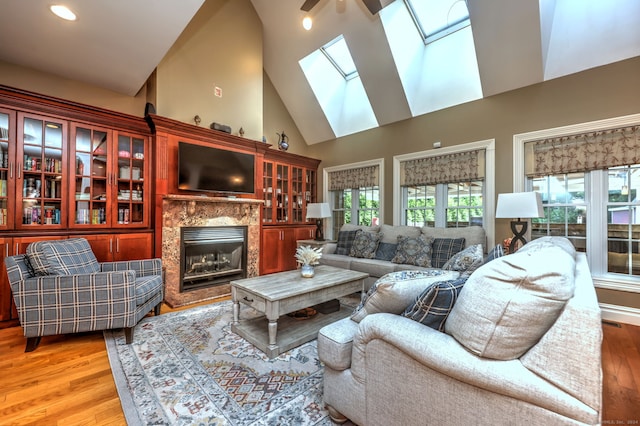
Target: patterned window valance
[
  {"x": 458, "y": 167},
  {"x": 354, "y": 178},
  {"x": 583, "y": 152}
]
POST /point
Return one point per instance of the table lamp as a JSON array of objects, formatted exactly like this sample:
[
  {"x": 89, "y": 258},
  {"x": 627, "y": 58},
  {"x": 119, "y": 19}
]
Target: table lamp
[
  {"x": 318, "y": 211},
  {"x": 520, "y": 205}
]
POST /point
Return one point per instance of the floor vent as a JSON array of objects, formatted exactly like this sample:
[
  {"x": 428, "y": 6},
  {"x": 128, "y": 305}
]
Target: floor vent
[{"x": 611, "y": 323}]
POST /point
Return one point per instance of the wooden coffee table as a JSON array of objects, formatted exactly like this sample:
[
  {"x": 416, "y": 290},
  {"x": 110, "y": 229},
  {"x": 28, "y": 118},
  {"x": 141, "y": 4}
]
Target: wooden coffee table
[{"x": 281, "y": 293}]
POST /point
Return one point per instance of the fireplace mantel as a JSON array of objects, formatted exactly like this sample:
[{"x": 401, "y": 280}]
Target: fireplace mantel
[{"x": 189, "y": 211}]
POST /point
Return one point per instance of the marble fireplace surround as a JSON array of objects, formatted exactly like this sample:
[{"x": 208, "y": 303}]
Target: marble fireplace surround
[{"x": 185, "y": 211}]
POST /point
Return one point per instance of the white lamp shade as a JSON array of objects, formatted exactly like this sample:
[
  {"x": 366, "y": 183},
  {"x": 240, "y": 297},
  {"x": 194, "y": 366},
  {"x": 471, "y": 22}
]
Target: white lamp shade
[
  {"x": 519, "y": 205},
  {"x": 318, "y": 210}
]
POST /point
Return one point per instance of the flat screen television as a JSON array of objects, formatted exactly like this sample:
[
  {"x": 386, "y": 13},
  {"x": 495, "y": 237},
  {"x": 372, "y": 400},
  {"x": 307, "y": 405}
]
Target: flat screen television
[{"x": 205, "y": 168}]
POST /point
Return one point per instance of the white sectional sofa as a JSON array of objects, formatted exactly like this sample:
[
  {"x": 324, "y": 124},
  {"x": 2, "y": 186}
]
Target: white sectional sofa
[{"x": 521, "y": 345}]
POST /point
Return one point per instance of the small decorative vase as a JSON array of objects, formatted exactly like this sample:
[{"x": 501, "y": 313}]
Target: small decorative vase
[{"x": 307, "y": 271}]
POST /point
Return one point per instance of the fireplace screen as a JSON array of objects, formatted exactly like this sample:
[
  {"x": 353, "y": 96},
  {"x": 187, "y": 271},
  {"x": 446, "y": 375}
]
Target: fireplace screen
[{"x": 212, "y": 256}]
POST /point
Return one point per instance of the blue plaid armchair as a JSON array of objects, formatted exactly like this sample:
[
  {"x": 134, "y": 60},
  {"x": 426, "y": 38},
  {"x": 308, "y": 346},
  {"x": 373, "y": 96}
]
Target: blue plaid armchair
[{"x": 59, "y": 287}]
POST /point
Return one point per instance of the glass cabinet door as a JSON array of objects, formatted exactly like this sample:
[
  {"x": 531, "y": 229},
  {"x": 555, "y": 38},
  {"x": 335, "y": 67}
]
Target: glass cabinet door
[
  {"x": 297, "y": 195},
  {"x": 282, "y": 193},
  {"x": 40, "y": 183},
  {"x": 310, "y": 195},
  {"x": 90, "y": 164},
  {"x": 267, "y": 192},
  {"x": 131, "y": 179},
  {"x": 7, "y": 147}
]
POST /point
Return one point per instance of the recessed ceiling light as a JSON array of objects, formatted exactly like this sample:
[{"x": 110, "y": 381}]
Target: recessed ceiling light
[
  {"x": 63, "y": 12},
  {"x": 307, "y": 23}
]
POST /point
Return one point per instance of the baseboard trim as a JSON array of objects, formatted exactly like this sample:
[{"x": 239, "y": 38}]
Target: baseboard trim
[{"x": 622, "y": 314}]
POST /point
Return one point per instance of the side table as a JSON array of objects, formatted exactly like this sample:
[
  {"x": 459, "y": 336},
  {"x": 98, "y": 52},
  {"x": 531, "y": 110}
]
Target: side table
[{"x": 313, "y": 243}]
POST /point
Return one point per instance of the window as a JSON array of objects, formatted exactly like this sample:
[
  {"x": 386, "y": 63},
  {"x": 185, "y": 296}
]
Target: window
[
  {"x": 355, "y": 193},
  {"x": 447, "y": 187},
  {"x": 338, "y": 53},
  {"x": 589, "y": 180},
  {"x": 366, "y": 211},
  {"x": 435, "y": 19}
]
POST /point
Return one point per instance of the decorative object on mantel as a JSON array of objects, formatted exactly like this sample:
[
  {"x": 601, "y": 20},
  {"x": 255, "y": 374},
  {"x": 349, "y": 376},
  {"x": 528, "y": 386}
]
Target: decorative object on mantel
[
  {"x": 220, "y": 127},
  {"x": 241, "y": 132},
  {"x": 520, "y": 205},
  {"x": 197, "y": 120},
  {"x": 318, "y": 211},
  {"x": 283, "y": 141},
  {"x": 307, "y": 257}
]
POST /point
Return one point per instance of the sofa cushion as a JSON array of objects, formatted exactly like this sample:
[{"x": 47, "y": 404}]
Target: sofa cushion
[
  {"x": 508, "y": 304},
  {"x": 337, "y": 260},
  {"x": 496, "y": 252},
  {"x": 345, "y": 241},
  {"x": 442, "y": 249},
  {"x": 386, "y": 251},
  {"x": 414, "y": 251},
  {"x": 373, "y": 267},
  {"x": 433, "y": 305},
  {"x": 472, "y": 234},
  {"x": 393, "y": 292},
  {"x": 549, "y": 241},
  {"x": 335, "y": 342},
  {"x": 466, "y": 261},
  {"x": 365, "y": 244},
  {"x": 391, "y": 233}
]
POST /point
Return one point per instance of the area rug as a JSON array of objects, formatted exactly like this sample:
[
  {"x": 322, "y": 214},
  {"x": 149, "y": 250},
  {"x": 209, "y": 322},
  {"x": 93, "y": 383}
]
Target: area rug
[{"x": 189, "y": 368}]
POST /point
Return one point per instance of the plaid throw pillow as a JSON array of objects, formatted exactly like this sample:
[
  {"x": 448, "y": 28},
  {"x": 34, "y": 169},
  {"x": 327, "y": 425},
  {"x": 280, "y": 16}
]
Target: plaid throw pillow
[
  {"x": 433, "y": 305},
  {"x": 345, "y": 241},
  {"x": 442, "y": 249},
  {"x": 496, "y": 252}
]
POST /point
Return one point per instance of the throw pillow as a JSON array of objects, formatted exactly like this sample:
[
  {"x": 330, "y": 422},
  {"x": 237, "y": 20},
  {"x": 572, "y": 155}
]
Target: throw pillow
[
  {"x": 414, "y": 251},
  {"x": 394, "y": 291},
  {"x": 365, "y": 244},
  {"x": 38, "y": 262},
  {"x": 385, "y": 251},
  {"x": 496, "y": 252},
  {"x": 466, "y": 261},
  {"x": 70, "y": 257},
  {"x": 433, "y": 305},
  {"x": 507, "y": 305},
  {"x": 442, "y": 249},
  {"x": 345, "y": 241}
]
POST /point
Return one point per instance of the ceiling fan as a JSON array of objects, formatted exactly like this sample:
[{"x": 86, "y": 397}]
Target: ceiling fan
[{"x": 374, "y": 6}]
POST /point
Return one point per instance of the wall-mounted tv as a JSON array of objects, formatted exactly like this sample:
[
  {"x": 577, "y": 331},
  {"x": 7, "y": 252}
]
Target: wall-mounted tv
[{"x": 205, "y": 168}]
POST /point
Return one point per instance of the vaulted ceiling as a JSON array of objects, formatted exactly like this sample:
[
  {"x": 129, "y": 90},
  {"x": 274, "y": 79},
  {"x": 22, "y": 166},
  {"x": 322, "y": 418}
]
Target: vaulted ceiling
[{"x": 117, "y": 44}]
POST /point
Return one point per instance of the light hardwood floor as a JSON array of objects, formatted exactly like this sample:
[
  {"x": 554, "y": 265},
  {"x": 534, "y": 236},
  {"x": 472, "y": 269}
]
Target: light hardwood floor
[{"x": 67, "y": 380}]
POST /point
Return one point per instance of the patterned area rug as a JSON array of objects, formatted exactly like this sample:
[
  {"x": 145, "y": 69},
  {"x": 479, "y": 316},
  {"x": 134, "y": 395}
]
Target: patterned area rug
[{"x": 188, "y": 368}]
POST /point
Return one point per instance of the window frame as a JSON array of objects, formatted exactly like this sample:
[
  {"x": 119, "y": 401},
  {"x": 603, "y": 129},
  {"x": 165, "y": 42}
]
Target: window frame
[
  {"x": 326, "y": 194},
  {"x": 489, "y": 181},
  {"x": 597, "y": 223}
]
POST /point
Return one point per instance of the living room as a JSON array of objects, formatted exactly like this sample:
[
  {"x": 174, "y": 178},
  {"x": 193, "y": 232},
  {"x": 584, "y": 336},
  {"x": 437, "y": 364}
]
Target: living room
[{"x": 224, "y": 46}]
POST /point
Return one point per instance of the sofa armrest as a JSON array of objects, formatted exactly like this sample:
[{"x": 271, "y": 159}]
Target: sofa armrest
[
  {"x": 440, "y": 352},
  {"x": 142, "y": 268},
  {"x": 329, "y": 248}
]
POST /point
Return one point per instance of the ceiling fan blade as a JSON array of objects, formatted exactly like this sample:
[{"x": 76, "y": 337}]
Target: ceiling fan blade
[
  {"x": 308, "y": 5},
  {"x": 374, "y": 6}
]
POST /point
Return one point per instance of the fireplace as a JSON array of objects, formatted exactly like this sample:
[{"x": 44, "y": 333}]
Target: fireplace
[{"x": 212, "y": 255}]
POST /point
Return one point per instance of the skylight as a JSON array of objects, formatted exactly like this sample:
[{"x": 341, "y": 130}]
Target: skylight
[
  {"x": 334, "y": 79},
  {"x": 438, "y": 18},
  {"x": 338, "y": 53}
]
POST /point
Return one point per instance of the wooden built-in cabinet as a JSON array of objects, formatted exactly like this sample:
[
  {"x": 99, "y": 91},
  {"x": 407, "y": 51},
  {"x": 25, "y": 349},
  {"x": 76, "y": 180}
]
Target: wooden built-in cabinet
[
  {"x": 288, "y": 184},
  {"x": 69, "y": 170}
]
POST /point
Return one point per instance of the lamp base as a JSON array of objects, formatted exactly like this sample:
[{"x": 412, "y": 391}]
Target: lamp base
[
  {"x": 518, "y": 234},
  {"x": 319, "y": 232}
]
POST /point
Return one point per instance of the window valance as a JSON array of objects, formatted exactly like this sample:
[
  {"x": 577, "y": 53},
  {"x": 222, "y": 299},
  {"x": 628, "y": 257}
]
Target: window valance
[
  {"x": 457, "y": 167},
  {"x": 354, "y": 178},
  {"x": 583, "y": 152}
]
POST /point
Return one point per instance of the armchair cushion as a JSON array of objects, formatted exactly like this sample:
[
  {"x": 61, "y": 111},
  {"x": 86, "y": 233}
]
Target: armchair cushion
[
  {"x": 62, "y": 257},
  {"x": 146, "y": 287}
]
